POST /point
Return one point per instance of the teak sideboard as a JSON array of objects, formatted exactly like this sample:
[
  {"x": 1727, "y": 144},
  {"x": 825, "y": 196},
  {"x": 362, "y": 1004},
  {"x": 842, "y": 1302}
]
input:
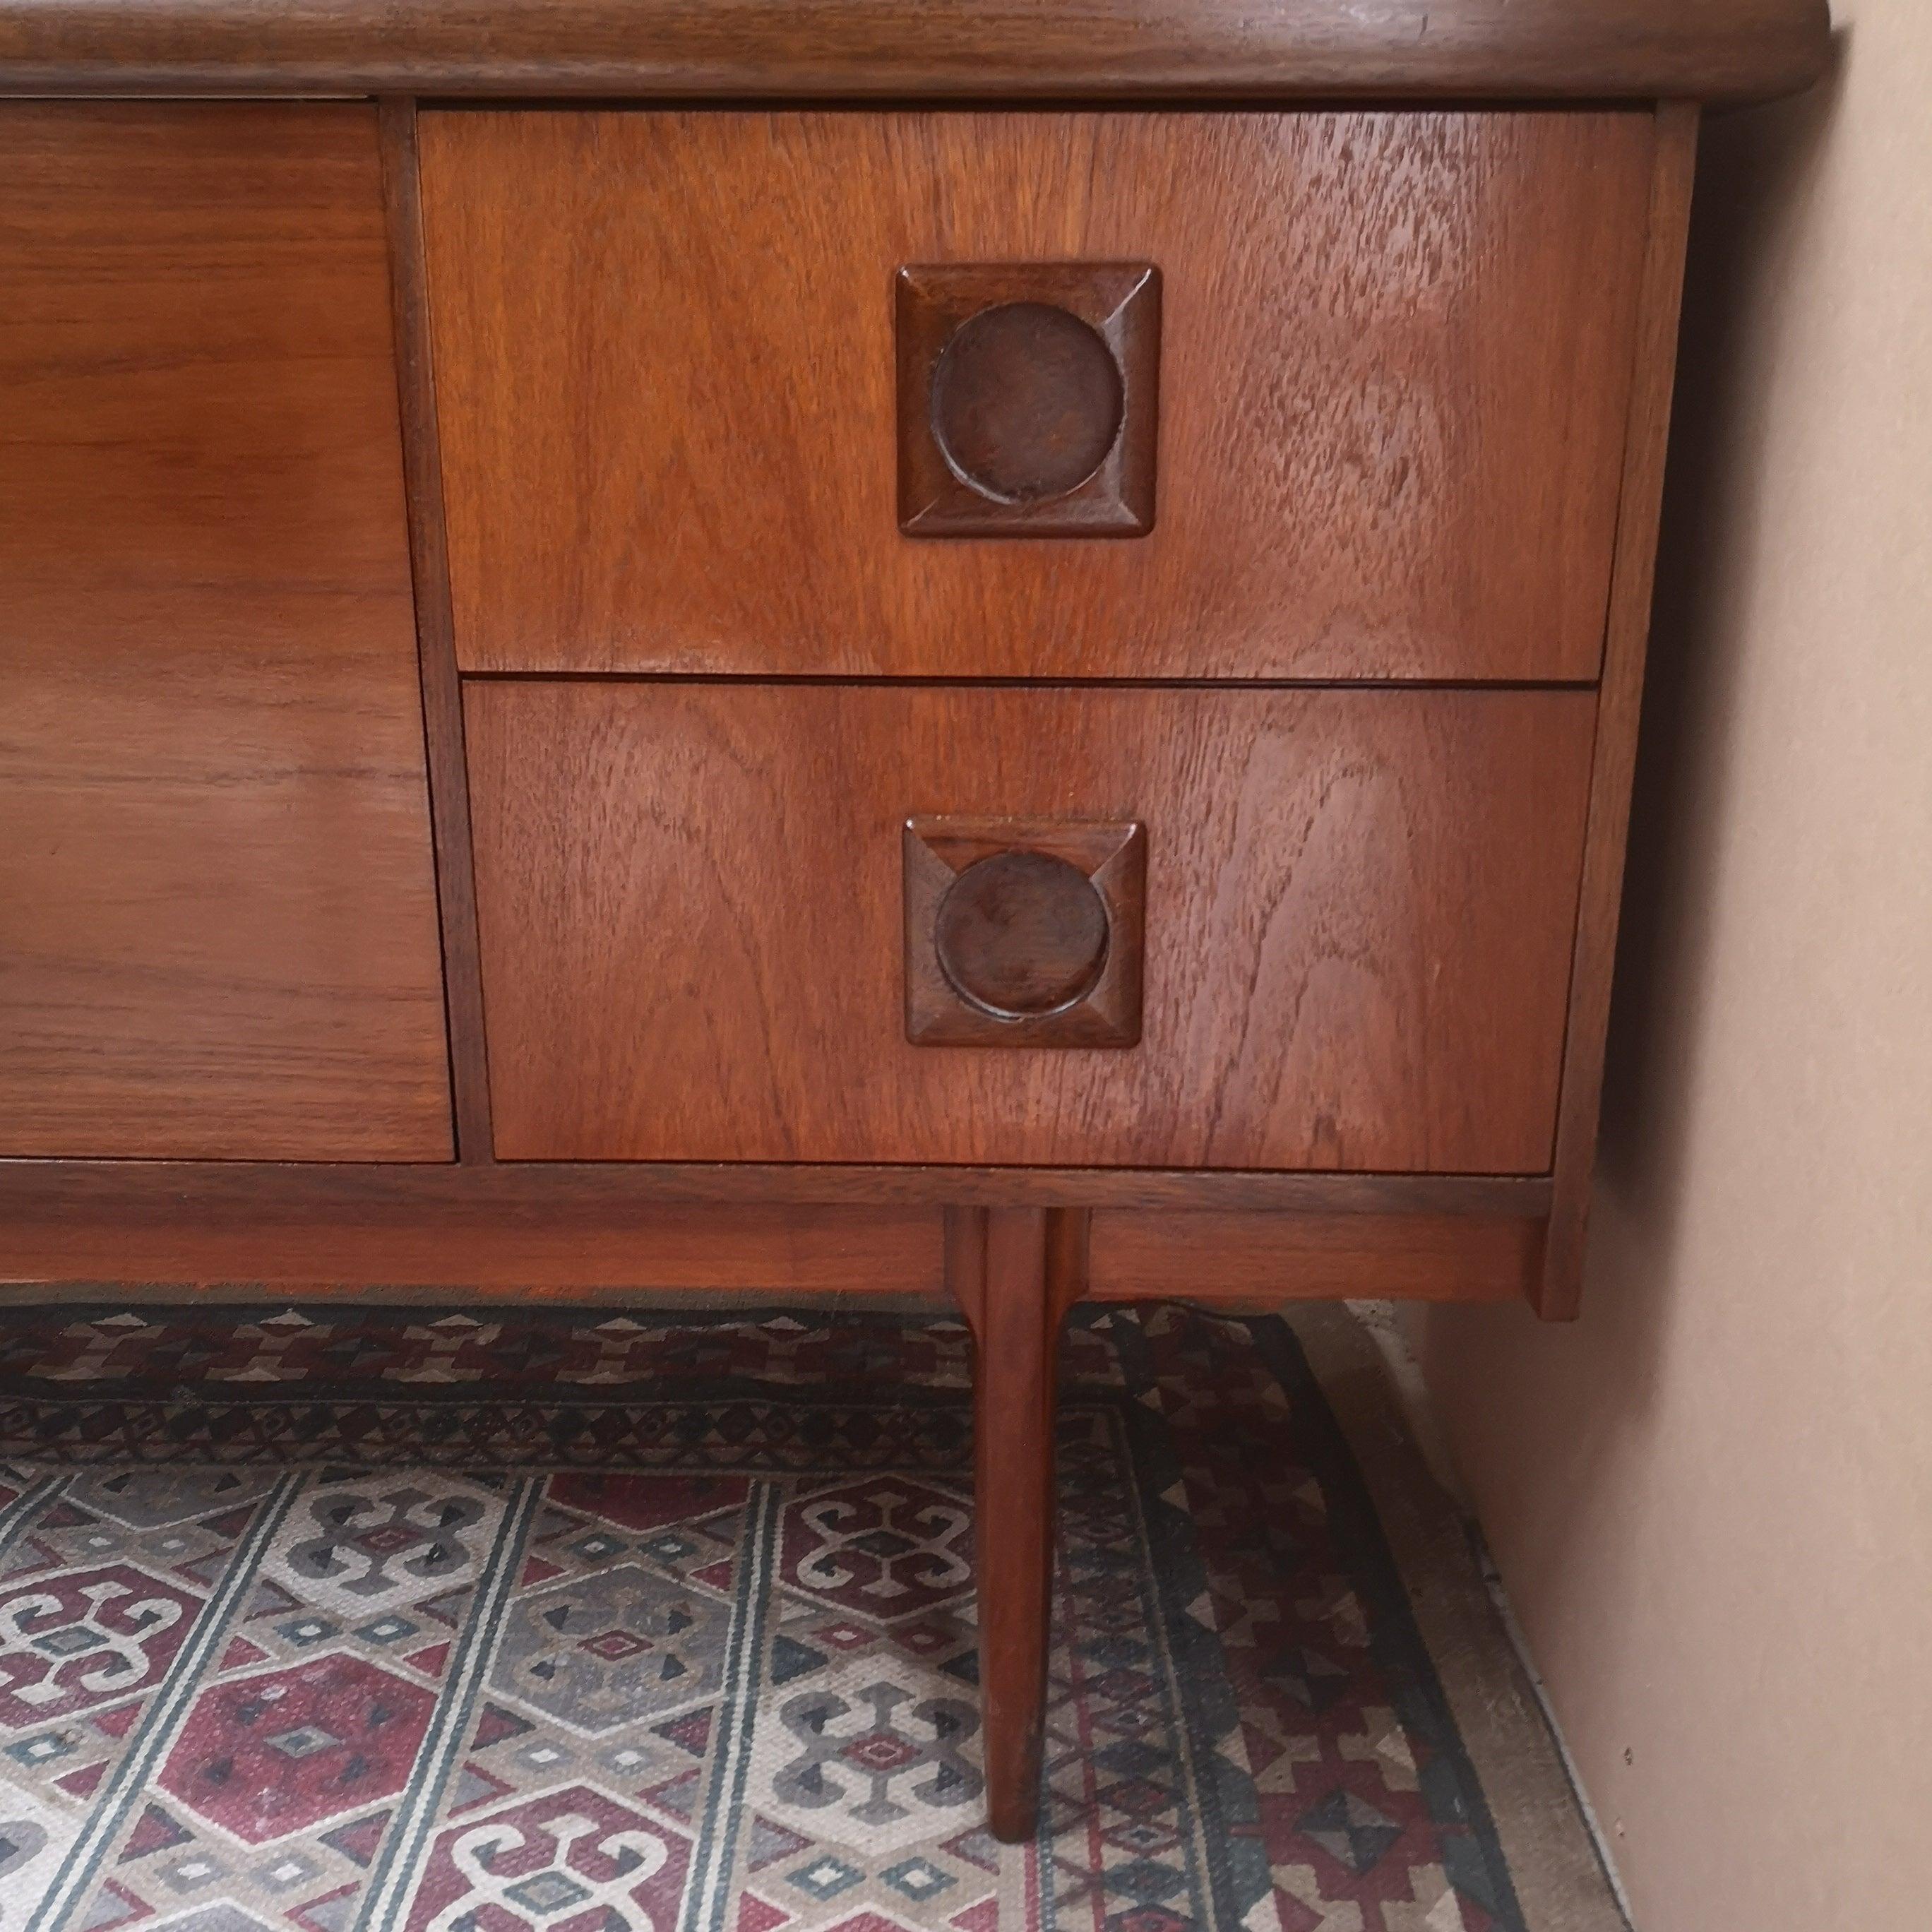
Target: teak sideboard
[{"x": 844, "y": 646}]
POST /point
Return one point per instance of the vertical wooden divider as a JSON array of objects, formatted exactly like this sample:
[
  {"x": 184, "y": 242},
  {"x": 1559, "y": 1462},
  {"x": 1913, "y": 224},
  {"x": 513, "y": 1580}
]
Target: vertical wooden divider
[{"x": 435, "y": 638}]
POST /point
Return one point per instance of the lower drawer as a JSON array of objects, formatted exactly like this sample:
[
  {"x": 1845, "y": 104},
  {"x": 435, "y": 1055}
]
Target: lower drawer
[{"x": 1354, "y": 952}]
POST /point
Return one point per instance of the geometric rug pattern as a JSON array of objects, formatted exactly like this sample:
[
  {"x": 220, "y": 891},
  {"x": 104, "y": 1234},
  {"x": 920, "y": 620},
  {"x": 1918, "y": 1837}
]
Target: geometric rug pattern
[{"x": 322, "y": 1620}]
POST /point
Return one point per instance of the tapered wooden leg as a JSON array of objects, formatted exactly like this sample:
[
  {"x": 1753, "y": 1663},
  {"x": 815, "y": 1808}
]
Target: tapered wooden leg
[{"x": 1015, "y": 1271}]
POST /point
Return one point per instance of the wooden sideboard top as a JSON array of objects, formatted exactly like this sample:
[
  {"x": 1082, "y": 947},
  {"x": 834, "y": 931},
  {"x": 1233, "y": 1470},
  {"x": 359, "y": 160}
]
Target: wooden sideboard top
[{"x": 1705, "y": 50}]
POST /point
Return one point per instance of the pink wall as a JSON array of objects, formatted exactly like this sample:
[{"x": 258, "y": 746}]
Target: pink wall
[{"x": 1711, "y": 1498}]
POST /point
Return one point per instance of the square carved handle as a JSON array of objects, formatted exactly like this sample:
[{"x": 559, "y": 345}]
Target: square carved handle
[
  {"x": 1024, "y": 931},
  {"x": 1028, "y": 398}
]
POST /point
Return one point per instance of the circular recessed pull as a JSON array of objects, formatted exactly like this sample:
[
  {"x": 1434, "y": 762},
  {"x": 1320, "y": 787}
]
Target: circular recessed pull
[
  {"x": 1022, "y": 934},
  {"x": 1026, "y": 401}
]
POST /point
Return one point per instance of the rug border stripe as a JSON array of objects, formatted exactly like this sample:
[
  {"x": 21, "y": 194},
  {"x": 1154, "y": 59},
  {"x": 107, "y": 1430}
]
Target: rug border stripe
[
  {"x": 1396, "y": 1641},
  {"x": 707, "y": 1891}
]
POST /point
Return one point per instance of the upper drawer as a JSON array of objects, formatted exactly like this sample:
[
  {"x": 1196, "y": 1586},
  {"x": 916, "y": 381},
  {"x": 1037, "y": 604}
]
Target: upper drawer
[{"x": 1393, "y": 363}]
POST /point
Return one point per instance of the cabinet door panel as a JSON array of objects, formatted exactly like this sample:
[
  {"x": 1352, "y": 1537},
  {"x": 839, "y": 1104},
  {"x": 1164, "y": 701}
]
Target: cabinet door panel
[{"x": 217, "y": 919}]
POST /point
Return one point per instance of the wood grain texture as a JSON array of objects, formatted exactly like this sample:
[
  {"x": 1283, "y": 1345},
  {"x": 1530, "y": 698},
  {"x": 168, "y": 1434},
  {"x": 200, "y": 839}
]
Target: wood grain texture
[
  {"x": 436, "y": 644},
  {"x": 1359, "y": 912},
  {"x": 1262, "y": 1260},
  {"x": 546, "y": 1229},
  {"x": 217, "y": 915},
  {"x": 1560, "y": 1291},
  {"x": 464, "y": 1296},
  {"x": 762, "y": 1247},
  {"x": 1015, "y": 1273},
  {"x": 86, "y": 1192},
  {"x": 1698, "y": 49},
  {"x": 1395, "y": 353}
]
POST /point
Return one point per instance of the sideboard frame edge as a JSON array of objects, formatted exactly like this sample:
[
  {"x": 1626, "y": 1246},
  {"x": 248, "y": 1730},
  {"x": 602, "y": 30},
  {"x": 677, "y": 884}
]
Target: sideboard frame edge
[
  {"x": 436, "y": 634},
  {"x": 1558, "y": 1293},
  {"x": 152, "y": 1228}
]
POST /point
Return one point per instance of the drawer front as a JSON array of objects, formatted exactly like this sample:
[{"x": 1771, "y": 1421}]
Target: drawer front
[
  {"x": 1357, "y": 913},
  {"x": 1391, "y": 357}
]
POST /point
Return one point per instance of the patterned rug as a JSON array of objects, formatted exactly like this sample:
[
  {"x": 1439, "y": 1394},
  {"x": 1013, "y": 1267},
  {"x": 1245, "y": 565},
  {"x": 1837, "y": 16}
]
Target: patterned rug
[{"x": 321, "y": 1619}]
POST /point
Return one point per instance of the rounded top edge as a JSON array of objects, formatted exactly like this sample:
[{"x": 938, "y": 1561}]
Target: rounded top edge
[{"x": 1254, "y": 51}]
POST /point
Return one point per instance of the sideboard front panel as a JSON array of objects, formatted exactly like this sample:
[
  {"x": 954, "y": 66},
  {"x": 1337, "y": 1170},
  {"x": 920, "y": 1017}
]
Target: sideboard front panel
[
  {"x": 1358, "y": 914},
  {"x": 218, "y": 919},
  {"x": 1393, "y": 351}
]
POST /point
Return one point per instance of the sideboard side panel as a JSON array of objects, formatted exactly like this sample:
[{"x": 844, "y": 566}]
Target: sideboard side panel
[
  {"x": 217, "y": 912},
  {"x": 1620, "y": 702}
]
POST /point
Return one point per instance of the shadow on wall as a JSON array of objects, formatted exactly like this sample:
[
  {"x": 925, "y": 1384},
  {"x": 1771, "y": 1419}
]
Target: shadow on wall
[
  {"x": 1754, "y": 168},
  {"x": 1501, "y": 1380}
]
